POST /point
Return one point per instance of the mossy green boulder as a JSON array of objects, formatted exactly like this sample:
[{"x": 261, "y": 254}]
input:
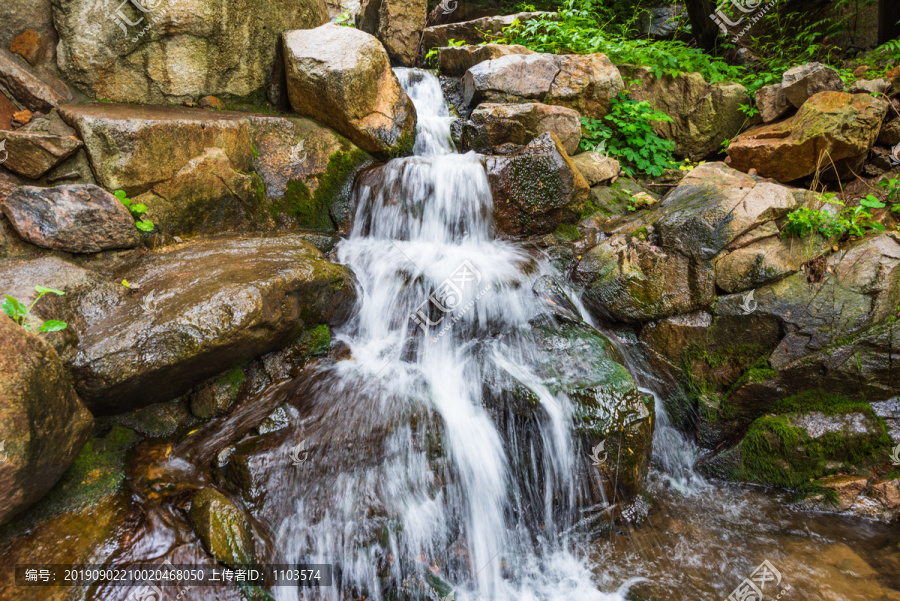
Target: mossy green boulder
[{"x": 222, "y": 527}]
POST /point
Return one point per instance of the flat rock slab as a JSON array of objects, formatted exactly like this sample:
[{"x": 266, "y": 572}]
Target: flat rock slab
[
  {"x": 34, "y": 154},
  {"x": 454, "y": 61},
  {"x": 29, "y": 89},
  {"x": 74, "y": 218},
  {"x": 477, "y": 30},
  {"x": 202, "y": 307}
]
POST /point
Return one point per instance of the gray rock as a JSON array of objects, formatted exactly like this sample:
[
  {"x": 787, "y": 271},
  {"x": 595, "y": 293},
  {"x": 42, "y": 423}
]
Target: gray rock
[
  {"x": 804, "y": 81},
  {"x": 454, "y": 61},
  {"x": 342, "y": 77},
  {"x": 497, "y": 124},
  {"x": 870, "y": 86},
  {"x": 511, "y": 78},
  {"x": 201, "y": 307},
  {"x": 771, "y": 102},
  {"x": 177, "y": 51},
  {"x": 34, "y": 154},
  {"x": 596, "y": 168},
  {"x": 73, "y": 218}
]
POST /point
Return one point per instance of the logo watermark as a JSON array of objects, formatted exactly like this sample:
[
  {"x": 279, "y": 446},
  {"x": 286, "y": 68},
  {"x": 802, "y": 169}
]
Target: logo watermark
[
  {"x": 895, "y": 455},
  {"x": 745, "y": 7},
  {"x": 299, "y": 454},
  {"x": 749, "y": 305},
  {"x": 448, "y": 6},
  {"x": 448, "y": 298},
  {"x": 3, "y": 150},
  {"x": 751, "y": 589},
  {"x": 595, "y": 454},
  {"x": 144, "y": 7},
  {"x": 3, "y": 455},
  {"x": 295, "y": 153}
]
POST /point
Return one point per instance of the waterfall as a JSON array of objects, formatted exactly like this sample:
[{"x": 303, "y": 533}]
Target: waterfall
[{"x": 461, "y": 502}]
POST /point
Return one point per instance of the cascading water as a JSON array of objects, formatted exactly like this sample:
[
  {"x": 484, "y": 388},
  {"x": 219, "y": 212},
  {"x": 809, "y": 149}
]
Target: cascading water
[{"x": 456, "y": 497}]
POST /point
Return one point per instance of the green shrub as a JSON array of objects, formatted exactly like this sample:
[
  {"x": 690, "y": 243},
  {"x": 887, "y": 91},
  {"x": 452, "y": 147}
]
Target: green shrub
[{"x": 626, "y": 133}]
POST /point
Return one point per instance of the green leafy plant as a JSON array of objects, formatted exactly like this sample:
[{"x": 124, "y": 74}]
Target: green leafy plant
[
  {"x": 891, "y": 186},
  {"x": 626, "y": 133},
  {"x": 137, "y": 211},
  {"x": 19, "y": 312},
  {"x": 853, "y": 221}
]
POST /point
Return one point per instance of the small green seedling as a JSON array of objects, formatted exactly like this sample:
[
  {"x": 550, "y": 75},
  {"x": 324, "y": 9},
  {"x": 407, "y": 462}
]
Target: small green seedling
[
  {"x": 19, "y": 312},
  {"x": 137, "y": 211}
]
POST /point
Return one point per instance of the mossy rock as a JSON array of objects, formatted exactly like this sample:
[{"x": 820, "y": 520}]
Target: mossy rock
[
  {"x": 216, "y": 398},
  {"x": 222, "y": 527},
  {"x": 806, "y": 437}
]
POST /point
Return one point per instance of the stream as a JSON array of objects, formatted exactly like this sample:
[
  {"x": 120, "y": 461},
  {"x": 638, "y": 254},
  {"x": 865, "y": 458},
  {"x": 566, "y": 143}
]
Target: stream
[{"x": 428, "y": 457}]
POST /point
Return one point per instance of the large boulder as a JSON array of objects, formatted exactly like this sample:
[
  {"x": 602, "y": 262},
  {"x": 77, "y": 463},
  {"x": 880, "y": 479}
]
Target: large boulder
[
  {"x": 175, "y": 51},
  {"x": 510, "y": 78},
  {"x": 34, "y": 154},
  {"x": 586, "y": 83},
  {"x": 831, "y": 127},
  {"x": 635, "y": 277},
  {"x": 199, "y": 308},
  {"x": 703, "y": 115},
  {"x": 477, "y": 30},
  {"x": 497, "y": 124},
  {"x": 860, "y": 287},
  {"x": 536, "y": 189},
  {"x": 397, "y": 24},
  {"x": 454, "y": 61},
  {"x": 43, "y": 425},
  {"x": 75, "y": 218},
  {"x": 342, "y": 77},
  {"x": 766, "y": 259},
  {"x": 806, "y": 437},
  {"x": 196, "y": 180},
  {"x": 633, "y": 280},
  {"x": 801, "y": 83}
]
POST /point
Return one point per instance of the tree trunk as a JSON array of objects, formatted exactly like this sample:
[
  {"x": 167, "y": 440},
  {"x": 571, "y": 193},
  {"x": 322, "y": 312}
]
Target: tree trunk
[
  {"x": 704, "y": 29},
  {"x": 888, "y": 16}
]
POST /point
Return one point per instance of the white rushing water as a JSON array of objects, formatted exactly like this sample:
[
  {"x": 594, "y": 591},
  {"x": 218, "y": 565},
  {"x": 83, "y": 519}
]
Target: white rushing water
[{"x": 435, "y": 290}]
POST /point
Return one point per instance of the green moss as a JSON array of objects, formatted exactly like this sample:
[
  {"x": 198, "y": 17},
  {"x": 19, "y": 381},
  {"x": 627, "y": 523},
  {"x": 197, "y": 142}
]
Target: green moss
[
  {"x": 590, "y": 207},
  {"x": 567, "y": 233},
  {"x": 319, "y": 340},
  {"x": 403, "y": 147},
  {"x": 314, "y": 208},
  {"x": 777, "y": 453},
  {"x": 97, "y": 472}
]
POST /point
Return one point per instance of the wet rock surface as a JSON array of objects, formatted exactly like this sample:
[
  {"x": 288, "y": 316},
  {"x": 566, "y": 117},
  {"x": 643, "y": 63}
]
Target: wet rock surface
[
  {"x": 201, "y": 307},
  {"x": 44, "y": 423},
  {"x": 536, "y": 189},
  {"x": 75, "y": 219}
]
